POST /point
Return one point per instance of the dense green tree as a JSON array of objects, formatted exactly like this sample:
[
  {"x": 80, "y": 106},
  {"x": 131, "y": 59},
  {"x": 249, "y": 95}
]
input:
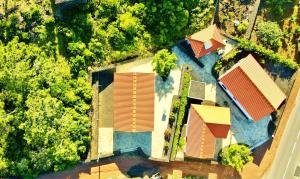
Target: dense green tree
[
  {"x": 166, "y": 20},
  {"x": 44, "y": 56},
  {"x": 163, "y": 62},
  {"x": 43, "y": 112},
  {"x": 277, "y": 6},
  {"x": 269, "y": 34},
  {"x": 236, "y": 156}
]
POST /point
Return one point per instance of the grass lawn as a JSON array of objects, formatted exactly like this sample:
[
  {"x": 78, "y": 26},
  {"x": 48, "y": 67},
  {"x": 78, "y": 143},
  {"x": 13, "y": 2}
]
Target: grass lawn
[{"x": 288, "y": 22}]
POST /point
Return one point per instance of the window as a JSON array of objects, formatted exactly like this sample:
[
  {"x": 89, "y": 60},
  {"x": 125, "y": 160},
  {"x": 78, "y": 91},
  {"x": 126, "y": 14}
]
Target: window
[{"x": 207, "y": 44}]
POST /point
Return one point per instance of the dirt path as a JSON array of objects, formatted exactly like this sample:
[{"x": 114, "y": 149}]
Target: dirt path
[{"x": 252, "y": 19}]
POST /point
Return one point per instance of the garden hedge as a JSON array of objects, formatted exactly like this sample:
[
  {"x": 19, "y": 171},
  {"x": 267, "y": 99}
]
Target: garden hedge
[
  {"x": 247, "y": 46},
  {"x": 267, "y": 54},
  {"x": 182, "y": 108}
]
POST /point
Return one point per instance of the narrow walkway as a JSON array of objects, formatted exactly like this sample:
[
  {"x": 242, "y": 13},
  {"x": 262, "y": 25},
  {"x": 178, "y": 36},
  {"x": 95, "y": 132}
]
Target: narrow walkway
[
  {"x": 252, "y": 19},
  {"x": 94, "y": 129}
]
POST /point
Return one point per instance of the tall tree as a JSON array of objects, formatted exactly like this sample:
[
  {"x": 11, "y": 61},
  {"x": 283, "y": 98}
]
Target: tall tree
[{"x": 163, "y": 62}]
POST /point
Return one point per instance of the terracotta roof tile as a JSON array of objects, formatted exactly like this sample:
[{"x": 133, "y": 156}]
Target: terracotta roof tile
[
  {"x": 198, "y": 39},
  {"x": 133, "y": 102},
  {"x": 200, "y": 140},
  {"x": 247, "y": 94},
  {"x": 253, "y": 88}
]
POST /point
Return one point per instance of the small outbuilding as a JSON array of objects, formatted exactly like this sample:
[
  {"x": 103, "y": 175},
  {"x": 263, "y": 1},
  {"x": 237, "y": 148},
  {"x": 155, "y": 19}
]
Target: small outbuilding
[
  {"x": 252, "y": 89},
  {"x": 197, "y": 90},
  {"x": 206, "y": 41}
]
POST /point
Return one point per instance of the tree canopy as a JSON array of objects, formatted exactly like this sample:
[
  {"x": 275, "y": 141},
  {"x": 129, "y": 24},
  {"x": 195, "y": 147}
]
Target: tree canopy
[
  {"x": 269, "y": 34},
  {"x": 236, "y": 156},
  {"x": 163, "y": 62},
  {"x": 44, "y": 56}
]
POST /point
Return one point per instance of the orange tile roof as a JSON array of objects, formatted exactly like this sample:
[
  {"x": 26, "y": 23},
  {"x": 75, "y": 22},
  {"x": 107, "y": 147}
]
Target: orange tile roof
[
  {"x": 248, "y": 88},
  {"x": 200, "y": 142},
  {"x": 198, "y": 39},
  {"x": 133, "y": 102},
  {"x": 216, "y": 118}
]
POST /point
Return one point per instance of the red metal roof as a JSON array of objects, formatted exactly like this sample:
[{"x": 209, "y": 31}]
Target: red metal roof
[
  {"x": 200, "y": 142},
  {"x": 198, "y": 39},
  {"x": 133, "y": 102},
  {"x": 247, "y": 94}
]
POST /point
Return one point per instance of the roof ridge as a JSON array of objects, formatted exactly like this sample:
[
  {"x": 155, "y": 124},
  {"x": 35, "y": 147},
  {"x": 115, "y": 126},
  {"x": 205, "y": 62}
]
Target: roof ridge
[
  {"x": 250, "y": 80},
  {"x": 202, "y": 120}
]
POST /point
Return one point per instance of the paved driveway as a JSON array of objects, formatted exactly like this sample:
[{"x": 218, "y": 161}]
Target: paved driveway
[{"x": 242, "y": 130}]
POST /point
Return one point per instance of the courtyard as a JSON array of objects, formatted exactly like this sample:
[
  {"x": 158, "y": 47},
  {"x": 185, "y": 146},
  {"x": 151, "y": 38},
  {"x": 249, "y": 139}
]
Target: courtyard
[{"x": 242, "y": 130}]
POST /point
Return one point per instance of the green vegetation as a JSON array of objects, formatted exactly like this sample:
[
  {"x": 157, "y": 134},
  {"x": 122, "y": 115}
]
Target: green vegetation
[
  {"x": 163, "y": 62},
  {"x": 269, "y": 34},
  {"x": 44, "y": 123},
  {"x": 182, "y": 108},
  {"x": 44, "y": 92},
  {"x": 267, "y": 54},
  {"x": 236, "y": 156},
  {"x": 242, "y": 27},
  {"x": 246, "y": 46},
  {"x": 277, "y": 6}
]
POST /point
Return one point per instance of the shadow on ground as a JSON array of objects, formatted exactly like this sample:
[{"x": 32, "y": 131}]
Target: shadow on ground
[{"x": 162, "y": 88}]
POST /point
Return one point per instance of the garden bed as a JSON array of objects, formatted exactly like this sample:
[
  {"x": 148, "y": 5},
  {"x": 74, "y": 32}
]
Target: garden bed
[
  {"x": 170, "y": 131},
  {"x": 184, "y": 90},
  {"x": 289, "y": 23},
  {"x": 233, "y": 16}
]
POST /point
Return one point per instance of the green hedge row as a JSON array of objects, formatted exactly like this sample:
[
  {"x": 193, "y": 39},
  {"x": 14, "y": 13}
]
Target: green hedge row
[
  {"x": 247, "y": 46},
  {"x": 182, "y": 107},
  {"x": 267, "y": 54}
]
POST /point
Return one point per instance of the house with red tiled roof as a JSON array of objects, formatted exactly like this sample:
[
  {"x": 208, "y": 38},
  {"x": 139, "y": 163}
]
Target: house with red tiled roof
[
  {"x": 252, "y": 89},
  {"x": 206, "y": 124},
  {"x": 133, "y": 102},
  {"x": 206, "y": 41}
]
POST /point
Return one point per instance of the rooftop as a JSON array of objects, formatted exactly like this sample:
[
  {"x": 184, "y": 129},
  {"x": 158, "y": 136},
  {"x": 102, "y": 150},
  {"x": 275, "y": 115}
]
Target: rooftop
[
  {"x": 133, "y": 102},
  {"x": 213, "y": 114},
  {"x": 253, "y": 88},
  {"x": 206, "y": 41},
  {"x": 197, "y": 90}
]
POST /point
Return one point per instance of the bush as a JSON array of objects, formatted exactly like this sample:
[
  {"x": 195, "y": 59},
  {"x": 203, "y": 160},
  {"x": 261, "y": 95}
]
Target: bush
[
  {"x": 267, "y": 54},
  {"x": 168, "y": 133},
  {"x": 236, "y": 156},
  {"x": 269, "y": 34},
  {"x": 242, "y": 28},
  {"x": 182, "y": 107},
  {"x": 176, "y": 104},
  {"x": 172, "y": 118},
  {"x": 163, "y": 62}
]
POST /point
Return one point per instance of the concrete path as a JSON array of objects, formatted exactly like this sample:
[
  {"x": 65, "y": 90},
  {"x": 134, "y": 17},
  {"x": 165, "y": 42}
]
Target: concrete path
[{"x": 288, "y": 155}]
